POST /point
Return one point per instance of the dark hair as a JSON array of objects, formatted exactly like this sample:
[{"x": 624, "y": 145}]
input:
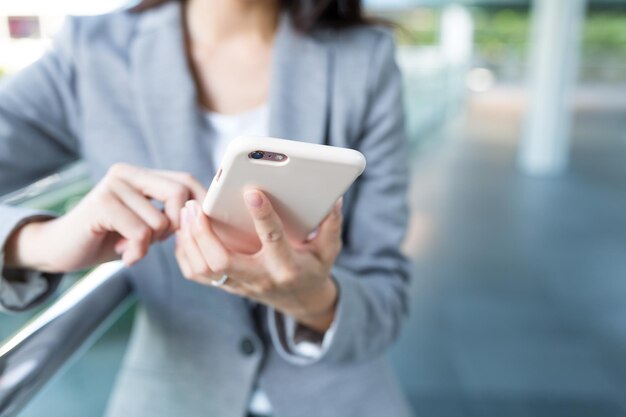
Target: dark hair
[{"x": 305, "y": 14}]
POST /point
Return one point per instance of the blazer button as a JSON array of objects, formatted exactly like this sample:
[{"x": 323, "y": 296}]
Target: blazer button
[{"x": 247, "y": 347}]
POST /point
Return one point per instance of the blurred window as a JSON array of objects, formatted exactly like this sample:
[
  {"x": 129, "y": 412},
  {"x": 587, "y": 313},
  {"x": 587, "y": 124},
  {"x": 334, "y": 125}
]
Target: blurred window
[{"x": 24, "y": 27}]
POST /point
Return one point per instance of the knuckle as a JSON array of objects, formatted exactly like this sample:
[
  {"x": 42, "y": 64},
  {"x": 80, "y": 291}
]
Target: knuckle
[
  {"x": 187, "y": 178},
  {"x": 265, "y": 214},
  {"x": 266, "y": 286},
  {"x": 179, "y": 192},
  {"x": 162, "y": 223},
  {"x": 197, "y": 272},
  {"x": 244, "y": 292},
  {"x": 273, "y": 235},
  {"x": 222, "y": 265},
  {"x": 288, "y": 274},
  {"x": 118, "y": 169},
  {"x": 106, "y": 184},
  {"x": 143, "y": 234},
  {"x": 205, "y": 271},
  {"x": 193, "y": 272},
  {"x": 101, "y": 195}
]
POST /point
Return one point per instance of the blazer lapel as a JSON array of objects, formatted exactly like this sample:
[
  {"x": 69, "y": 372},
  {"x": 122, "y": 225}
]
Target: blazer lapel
[
  {"x": 167, "y": 100},
  {"x": 299, "y": 93},
  {"x": 166, "y": 94}
]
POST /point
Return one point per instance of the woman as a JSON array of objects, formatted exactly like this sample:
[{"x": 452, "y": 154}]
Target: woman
[{"x": 149, "y": 98}]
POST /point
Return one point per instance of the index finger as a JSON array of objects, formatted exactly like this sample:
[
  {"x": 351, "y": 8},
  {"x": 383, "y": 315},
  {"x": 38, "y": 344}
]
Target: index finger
[
  {"x": 198, "y": 190},
  {"x": 268, "y": 225},
  {"x": 165, "y": 189}
]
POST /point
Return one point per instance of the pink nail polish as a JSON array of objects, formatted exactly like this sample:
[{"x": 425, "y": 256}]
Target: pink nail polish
[
  {"x": 254, "y": 199},
  {"x": 192, "y": 210},
  {"x": 313, "y": 234}
]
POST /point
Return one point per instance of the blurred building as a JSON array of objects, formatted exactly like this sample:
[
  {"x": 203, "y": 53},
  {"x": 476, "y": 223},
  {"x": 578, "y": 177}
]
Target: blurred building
[{"x": 28, "y": 26}]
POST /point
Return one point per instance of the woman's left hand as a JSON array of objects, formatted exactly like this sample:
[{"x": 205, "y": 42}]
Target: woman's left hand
[{"x": 295, "y": 279}]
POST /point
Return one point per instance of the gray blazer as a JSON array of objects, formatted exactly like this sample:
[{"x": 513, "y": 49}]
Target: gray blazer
[{"x": 117, "y": 88}]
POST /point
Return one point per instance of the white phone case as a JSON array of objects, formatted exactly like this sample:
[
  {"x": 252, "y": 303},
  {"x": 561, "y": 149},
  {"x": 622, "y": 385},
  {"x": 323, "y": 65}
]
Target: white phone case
[{"x": 302, "y": 188}]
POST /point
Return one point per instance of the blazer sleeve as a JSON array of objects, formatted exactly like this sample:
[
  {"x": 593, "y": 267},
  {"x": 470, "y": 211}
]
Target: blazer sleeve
[
  {"x": 38, "y": 135},
  {"x": 371, "y": 272}
]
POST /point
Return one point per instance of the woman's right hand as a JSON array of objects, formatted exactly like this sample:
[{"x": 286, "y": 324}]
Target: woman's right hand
[{"x": 116, "y": 219}]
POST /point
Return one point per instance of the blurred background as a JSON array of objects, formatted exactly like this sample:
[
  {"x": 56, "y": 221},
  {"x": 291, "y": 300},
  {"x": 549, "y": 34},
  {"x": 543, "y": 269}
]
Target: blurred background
[{"x": 517, "y": 121}]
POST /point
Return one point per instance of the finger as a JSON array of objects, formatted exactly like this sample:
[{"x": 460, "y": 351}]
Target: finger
[
  {"x": 130, "y": 226},
  {"x": 222, "y": 261},
  {"x": 327, "y": 242},
  {"x": 211, "y": 247},
  {"x": 197, "y": 263},
  {"x": 268, "y": 226},
  {"x": 198, "y": 190},
  {"x": 152, "y": 216},
  {"x": 172, "y": 193},
  {"x": 181, "y": 258},
  {"x": 231, "y": 285}
]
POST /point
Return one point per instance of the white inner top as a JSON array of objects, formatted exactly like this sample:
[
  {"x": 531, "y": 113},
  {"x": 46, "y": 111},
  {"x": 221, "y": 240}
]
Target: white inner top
[{"x": 224, "y": 128}]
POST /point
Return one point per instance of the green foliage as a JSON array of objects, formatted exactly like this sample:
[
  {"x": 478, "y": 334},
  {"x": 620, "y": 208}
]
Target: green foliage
[
  {"x": 604, "y": 46},
  {"x": 606, "y": 31},
  {"x": 500, "y": 33},
  {"x": 502, "y": 40},
  {"x": 417, "y": 27}
]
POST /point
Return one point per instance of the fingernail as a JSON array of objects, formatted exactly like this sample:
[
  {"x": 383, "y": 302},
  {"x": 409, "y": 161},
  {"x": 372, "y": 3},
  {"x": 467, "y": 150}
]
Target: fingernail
[
  {"x": 313, "y": 234},
  {"x": 337, "y": 208},
  {"x": 192, "y": 210},
  {"x": 254, "y": 199}
]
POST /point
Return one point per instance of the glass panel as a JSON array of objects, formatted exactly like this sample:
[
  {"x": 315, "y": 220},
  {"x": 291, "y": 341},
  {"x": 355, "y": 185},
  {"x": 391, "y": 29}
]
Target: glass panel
[
  {"x": 83, "y": 389},
  {"x": 56, "y": 193}
]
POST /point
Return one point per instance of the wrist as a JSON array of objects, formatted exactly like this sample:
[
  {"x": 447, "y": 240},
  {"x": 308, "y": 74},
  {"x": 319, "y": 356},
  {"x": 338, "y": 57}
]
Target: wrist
[
  {"x": 321, "y": 316},
  {"x": 26, "y": 248}
]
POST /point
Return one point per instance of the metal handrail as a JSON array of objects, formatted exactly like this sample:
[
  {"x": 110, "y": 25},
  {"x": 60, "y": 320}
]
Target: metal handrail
[
  {"x": 52, "y": 339},
  {"x": 35, "y": 354},
  {"x": 52, "y": 189}
]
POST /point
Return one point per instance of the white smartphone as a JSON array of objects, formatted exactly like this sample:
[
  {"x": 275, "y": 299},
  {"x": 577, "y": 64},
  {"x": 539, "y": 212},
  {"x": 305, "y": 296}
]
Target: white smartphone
[{"x": 302, "y": 180}]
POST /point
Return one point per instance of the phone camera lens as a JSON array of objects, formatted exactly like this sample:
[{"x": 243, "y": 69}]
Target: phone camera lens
[{"x": 257, "y": 155}]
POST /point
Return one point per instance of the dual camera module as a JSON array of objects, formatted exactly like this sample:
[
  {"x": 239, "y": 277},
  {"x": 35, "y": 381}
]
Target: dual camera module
[{"x": 267, "y": 156}]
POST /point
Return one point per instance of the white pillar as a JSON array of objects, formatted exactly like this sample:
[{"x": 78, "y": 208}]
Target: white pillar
[
  {"x": 456, "y": 35},
  {"x": 555, "y": 43},
  {"x": 456, "y": 41}
]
